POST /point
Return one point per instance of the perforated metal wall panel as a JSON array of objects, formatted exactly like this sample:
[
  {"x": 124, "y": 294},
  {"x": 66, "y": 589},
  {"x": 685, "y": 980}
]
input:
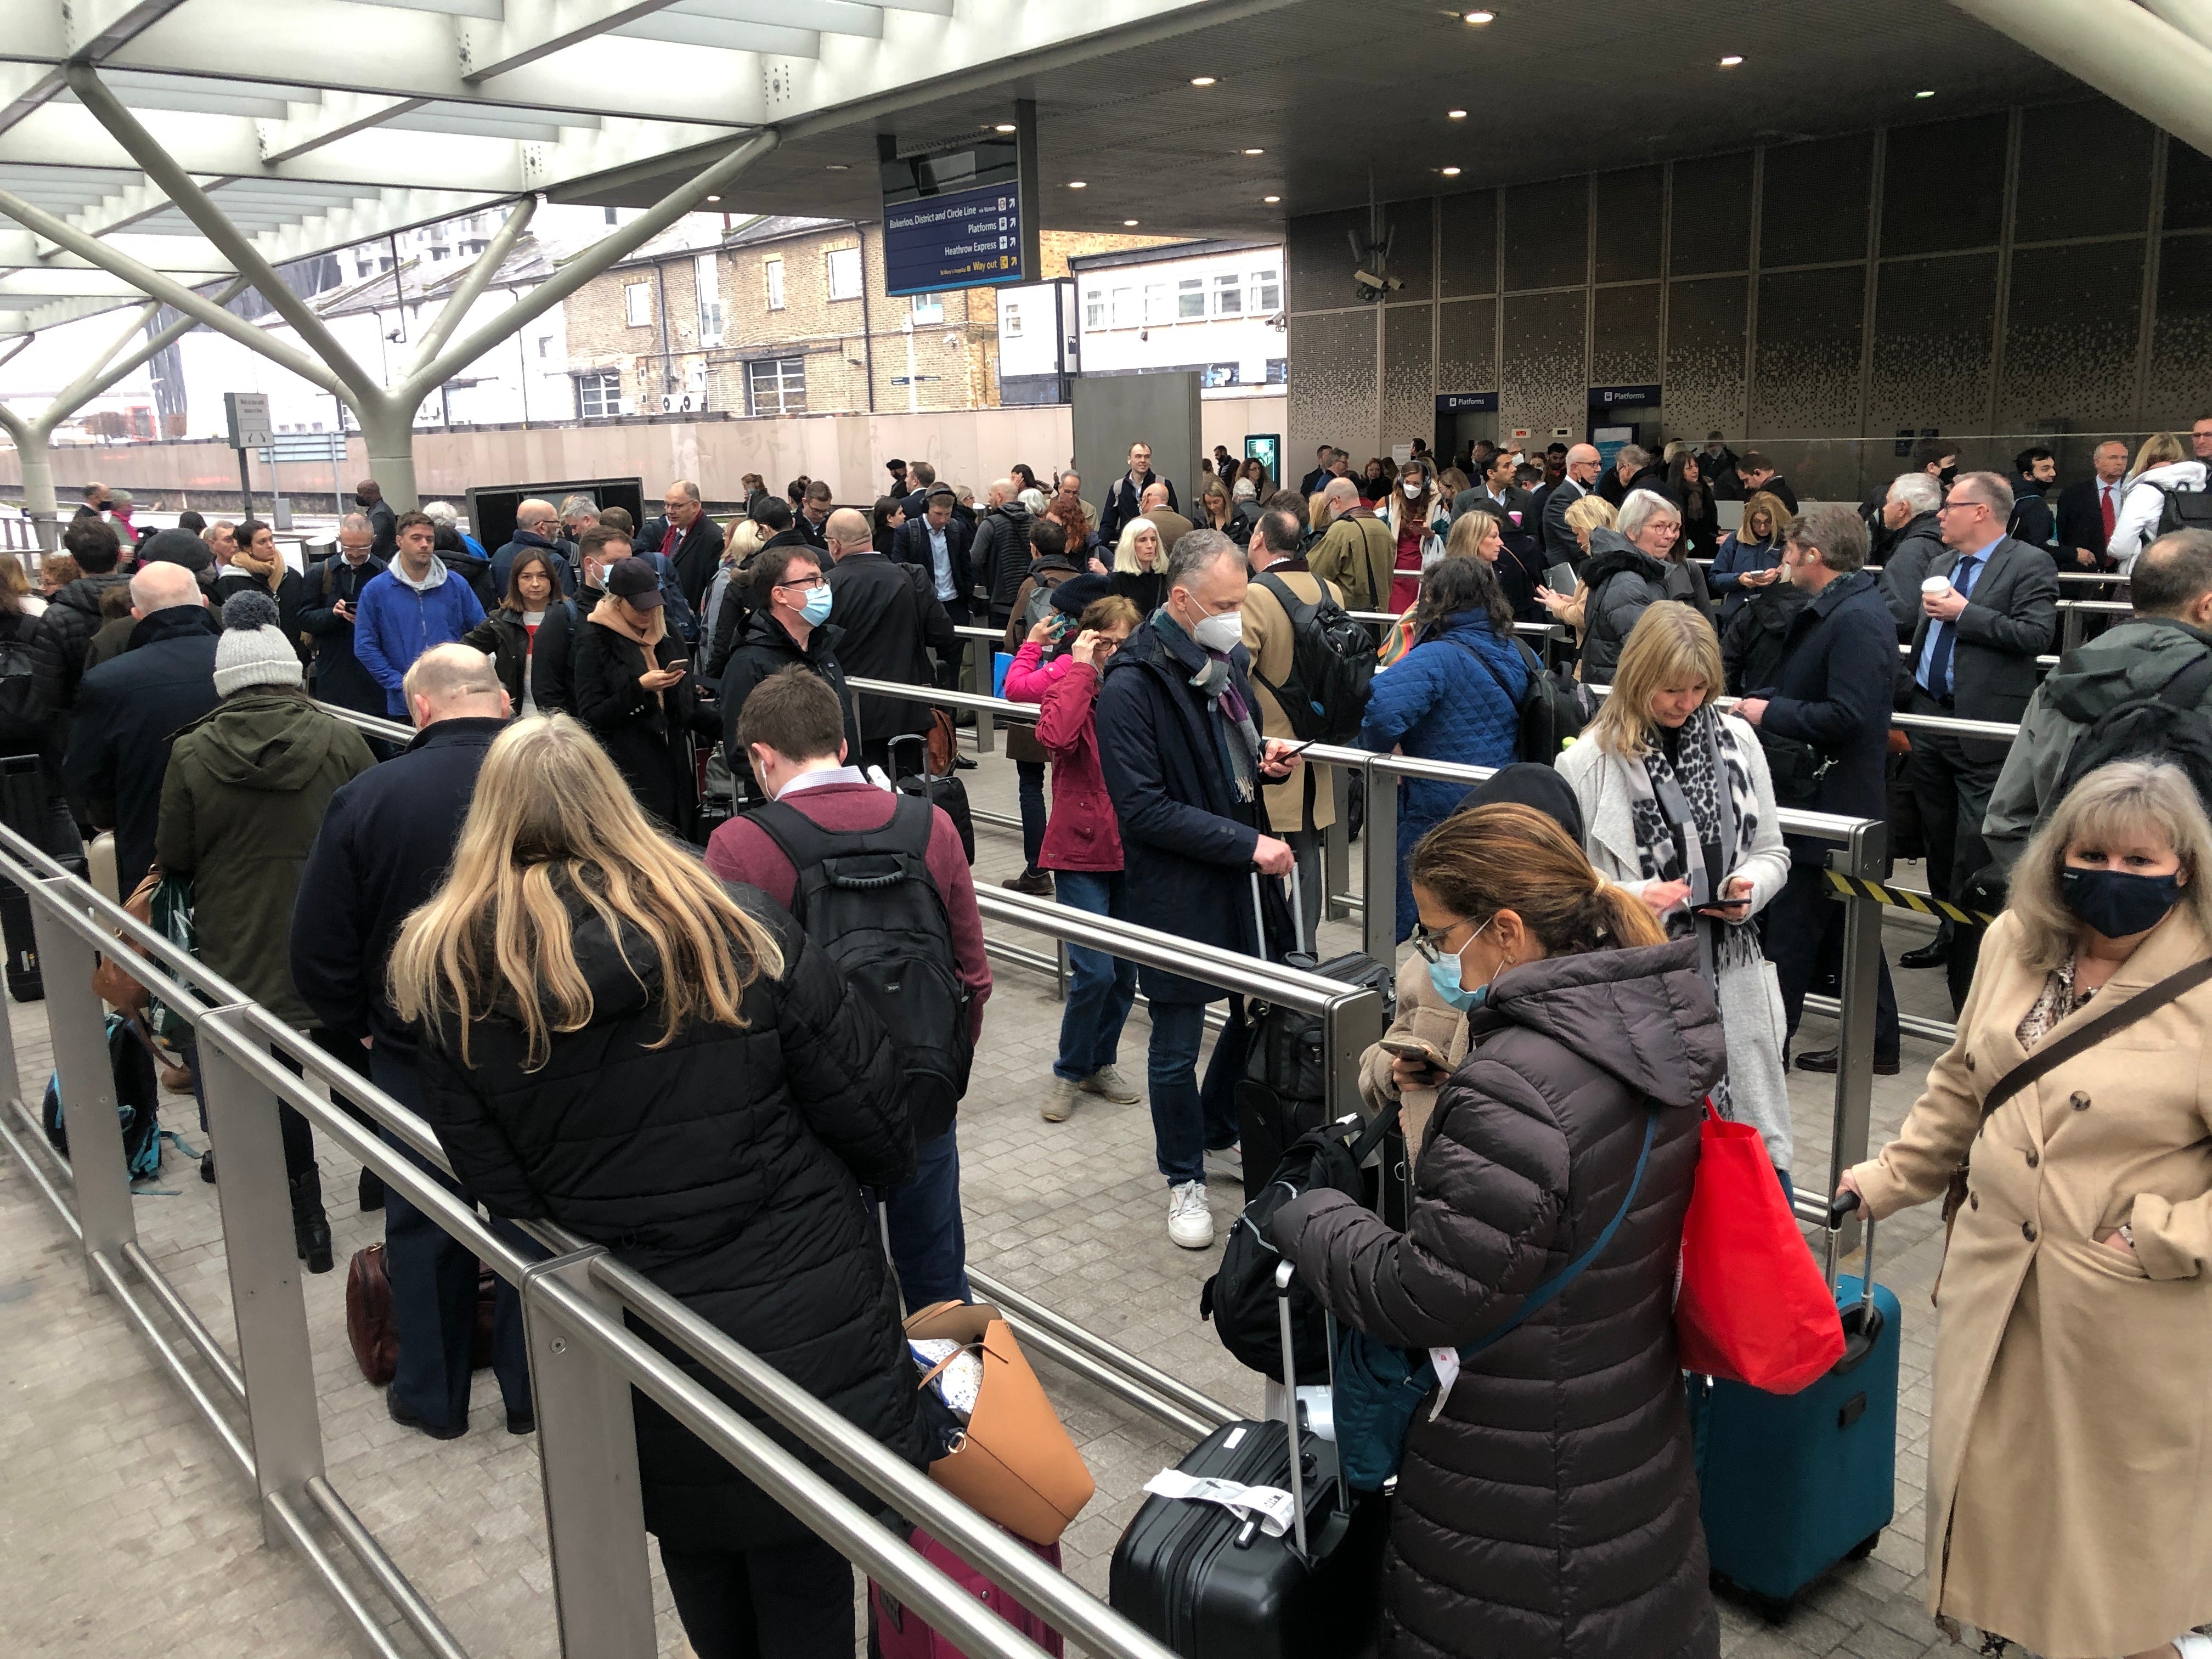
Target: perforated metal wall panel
[
  {"x": 2069, "y": 340},
  {"x": 1539, "y": 382}
]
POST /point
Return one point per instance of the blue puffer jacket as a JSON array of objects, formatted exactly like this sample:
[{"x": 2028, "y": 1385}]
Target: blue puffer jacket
[{"x": 1440, "y": 701}]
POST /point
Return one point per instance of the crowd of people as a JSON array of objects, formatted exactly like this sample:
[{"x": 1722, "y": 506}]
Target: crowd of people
[{"x": 597, "y": 922}]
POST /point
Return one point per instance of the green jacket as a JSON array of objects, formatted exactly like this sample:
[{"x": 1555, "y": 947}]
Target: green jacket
[
  {"x": 241, "y": 803},
  {"x": 2121, "y": 664}
]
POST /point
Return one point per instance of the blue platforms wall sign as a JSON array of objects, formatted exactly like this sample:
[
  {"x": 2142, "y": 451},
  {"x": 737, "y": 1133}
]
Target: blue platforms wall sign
[{"x": 966, "y": 239}]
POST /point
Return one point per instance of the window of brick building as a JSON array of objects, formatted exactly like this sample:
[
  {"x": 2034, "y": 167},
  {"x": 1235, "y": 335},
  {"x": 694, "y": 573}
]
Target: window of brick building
[
  {"x": 1190, "y": 298},
  {"x": 637, "y": 304},
  {"x": 707, "y": 280},
  {"x": 772, "y": 271},
  {"x": 844, "y": 264},
  {"x": 776, "y": 386},
  {"x": 598, "y": 393}
]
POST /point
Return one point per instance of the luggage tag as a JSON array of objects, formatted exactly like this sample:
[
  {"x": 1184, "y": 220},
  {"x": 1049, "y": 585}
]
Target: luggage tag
[
  {"x": 1446, "y": 1361},
  {"x": 1271, "y": 1506}
]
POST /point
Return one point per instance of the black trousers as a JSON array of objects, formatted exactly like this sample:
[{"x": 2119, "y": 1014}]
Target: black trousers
[
  {"x": 791, "y": 1601},
  {"x": 1952, "y": 779},
  {"x": 1803, "y": 933}
]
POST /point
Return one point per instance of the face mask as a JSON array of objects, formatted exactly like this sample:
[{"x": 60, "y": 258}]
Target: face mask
[
  {"x": 360, "y": 500},
  {"x": 1412, "y": 489},
  {"x": 1220, "y": 634},
  {"x": 816, "y": 608},
  {"x": 1444, "y": 974},
  {"x": 2117, "y": 903},
  {"x": 1946, "y": 475}
]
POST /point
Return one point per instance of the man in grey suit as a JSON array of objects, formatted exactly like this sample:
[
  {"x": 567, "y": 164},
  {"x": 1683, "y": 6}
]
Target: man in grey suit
[
  {"x": 1972, "y": 658},
  {"x": 1560, "y": 546},
  {"x": 1494, "y": 490}
]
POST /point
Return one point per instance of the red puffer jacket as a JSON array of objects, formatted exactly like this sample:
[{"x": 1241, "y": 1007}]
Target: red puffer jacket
[{"x": 1082, "y": 833}]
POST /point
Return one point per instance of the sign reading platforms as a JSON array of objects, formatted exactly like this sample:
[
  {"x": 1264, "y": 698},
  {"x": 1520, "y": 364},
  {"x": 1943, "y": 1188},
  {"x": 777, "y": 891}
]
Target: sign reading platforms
[
  {"x": 969, "y": 239},
  {"x": 962, "y": 215}
]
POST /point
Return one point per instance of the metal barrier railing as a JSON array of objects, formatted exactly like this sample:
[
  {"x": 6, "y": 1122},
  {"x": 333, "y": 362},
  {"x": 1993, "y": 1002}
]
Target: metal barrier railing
[{"x": 584, "y": 1361}]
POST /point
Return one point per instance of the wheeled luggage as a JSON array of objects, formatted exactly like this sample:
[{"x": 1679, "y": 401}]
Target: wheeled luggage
[
  {"x": 947, "y": 792},
  {"x": 23, "y": 808},
  {"x": 1285, "y": 1090},
  {"x": 1795, "y": 1484},
  {"x": 896, "y": 1632},
  {"x": 1211, "y": 1580}
]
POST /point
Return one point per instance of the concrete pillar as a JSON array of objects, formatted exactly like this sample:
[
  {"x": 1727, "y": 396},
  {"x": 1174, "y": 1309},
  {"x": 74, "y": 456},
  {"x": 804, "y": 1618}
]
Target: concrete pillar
[
  {"x": 389, "y": 434},
  {"x": 40, "y": 505}
]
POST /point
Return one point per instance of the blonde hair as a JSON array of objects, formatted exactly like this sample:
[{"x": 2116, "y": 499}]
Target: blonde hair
[
  {"x": 2125, "y": 798},
  {"x": 2158, "y": 449},
  {"x": 1125, "y": 550},
  {"x": 1670, "y": 645},
  {"x": 553, "y": 817},
  {"x": 1778, "y": 517},
  {"x": 745, "y": 541},
  {"x": 1591, "y": 512},
  {"x": 1465, "y": 540},
  {"x": 1320, "y": 512}
]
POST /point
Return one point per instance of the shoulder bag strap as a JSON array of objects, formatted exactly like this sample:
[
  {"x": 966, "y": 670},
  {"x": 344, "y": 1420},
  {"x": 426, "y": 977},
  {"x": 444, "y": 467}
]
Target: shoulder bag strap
[
  {"x": 2053, "y": 1056},
  {"x": 1550, "y": 1288}
]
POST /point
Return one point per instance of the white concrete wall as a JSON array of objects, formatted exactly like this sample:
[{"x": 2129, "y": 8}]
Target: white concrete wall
[{"x": 1131, "y": 315}]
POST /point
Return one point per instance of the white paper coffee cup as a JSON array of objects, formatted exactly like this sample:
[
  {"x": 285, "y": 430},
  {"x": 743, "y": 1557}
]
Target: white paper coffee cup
[{"x": 1937, "y": 585}]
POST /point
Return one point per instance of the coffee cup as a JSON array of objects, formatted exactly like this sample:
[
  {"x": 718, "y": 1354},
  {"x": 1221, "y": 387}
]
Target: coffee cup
[{"x": 1935, "y": 585}]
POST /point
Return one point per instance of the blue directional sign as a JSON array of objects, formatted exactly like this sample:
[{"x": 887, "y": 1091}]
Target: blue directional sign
[{"x": 963, "y": 239}]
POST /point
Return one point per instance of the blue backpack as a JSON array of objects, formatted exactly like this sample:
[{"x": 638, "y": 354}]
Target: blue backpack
[{"x": 138, "y": 1102}]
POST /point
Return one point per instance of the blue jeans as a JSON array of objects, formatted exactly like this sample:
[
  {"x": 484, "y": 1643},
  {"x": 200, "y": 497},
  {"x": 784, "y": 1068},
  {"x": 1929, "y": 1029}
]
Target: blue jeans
[
  {"x": 1188, "y": 1122},
  {"x": 929, "y": 1239},
  {"x": 1031, "y": 776},
  {"x": 1100, "y": 987}
]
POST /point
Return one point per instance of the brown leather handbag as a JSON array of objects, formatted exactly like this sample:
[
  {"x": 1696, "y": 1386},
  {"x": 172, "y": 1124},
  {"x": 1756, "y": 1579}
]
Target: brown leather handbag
[
  {"x": 1018, "y": 1465},
  {"x": 109, "y": 982},
  {"x": 369, "y": 1326}
]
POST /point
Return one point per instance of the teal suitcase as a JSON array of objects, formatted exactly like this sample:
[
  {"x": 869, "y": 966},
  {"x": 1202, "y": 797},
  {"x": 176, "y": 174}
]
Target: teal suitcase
[{"x": 1795, "y": 1485}]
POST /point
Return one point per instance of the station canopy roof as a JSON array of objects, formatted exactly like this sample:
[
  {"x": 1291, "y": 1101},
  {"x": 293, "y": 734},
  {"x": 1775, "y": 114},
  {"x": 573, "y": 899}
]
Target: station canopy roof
[{"x": 319, "y": 124}]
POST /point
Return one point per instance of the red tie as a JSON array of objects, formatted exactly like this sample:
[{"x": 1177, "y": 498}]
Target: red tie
[{"x": 2105, "y": 506}]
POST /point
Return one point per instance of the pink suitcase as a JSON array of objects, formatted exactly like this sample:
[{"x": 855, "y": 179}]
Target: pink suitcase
[{"x": 896, "y": 1632}]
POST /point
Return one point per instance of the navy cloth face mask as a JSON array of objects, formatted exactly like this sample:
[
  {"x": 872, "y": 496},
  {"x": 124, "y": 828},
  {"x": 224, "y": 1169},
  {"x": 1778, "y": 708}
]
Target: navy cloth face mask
[{"x": 2117, "y": 903}]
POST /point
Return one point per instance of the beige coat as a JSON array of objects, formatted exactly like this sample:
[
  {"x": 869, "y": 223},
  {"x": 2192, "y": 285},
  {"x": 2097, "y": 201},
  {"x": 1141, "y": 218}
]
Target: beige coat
[
  {"x": 1268, "y": 637},
  {"x": 1424, "y": 1015},
  {"x": 2070, "y": 1454}
]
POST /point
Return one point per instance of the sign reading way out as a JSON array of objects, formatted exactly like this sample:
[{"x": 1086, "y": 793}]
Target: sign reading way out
[{"x": 964, "y": 239}]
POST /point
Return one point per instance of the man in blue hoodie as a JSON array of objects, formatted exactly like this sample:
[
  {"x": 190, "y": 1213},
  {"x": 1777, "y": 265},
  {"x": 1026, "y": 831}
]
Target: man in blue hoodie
[{"x": 414, "y": 606}]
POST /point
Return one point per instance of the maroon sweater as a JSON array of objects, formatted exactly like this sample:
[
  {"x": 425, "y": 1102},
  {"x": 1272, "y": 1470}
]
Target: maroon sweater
[{"x": 741, "y": 851}]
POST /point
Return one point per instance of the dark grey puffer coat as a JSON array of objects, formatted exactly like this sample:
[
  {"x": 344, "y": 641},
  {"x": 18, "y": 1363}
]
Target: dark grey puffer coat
[{"x": 1552, "y": 1511}]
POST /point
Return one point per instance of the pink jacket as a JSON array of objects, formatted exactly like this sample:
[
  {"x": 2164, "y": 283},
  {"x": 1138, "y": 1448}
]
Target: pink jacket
[{"x": 1081, "y": 833}]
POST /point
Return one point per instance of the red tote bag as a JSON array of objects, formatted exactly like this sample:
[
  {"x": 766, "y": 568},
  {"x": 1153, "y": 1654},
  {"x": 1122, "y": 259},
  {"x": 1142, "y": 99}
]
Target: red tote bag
[{"x": 1752, "y": 1306}]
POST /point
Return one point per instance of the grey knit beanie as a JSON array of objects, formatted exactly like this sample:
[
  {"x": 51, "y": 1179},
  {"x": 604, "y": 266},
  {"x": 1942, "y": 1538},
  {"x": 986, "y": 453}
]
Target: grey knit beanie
[{"x": 252, "y": 650}]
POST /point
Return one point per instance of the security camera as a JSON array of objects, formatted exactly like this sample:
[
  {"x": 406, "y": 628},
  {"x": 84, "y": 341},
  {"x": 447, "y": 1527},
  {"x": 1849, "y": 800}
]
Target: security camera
[{"x": 1370, "y": 287}]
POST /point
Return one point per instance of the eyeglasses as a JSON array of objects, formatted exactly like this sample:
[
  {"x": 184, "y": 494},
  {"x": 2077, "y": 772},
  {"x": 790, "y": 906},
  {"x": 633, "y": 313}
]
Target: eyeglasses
[
  {"x": 1430, "y": 941},
  {"x": 805, "y": 586},
  {"x": 1947, "y": 505}
]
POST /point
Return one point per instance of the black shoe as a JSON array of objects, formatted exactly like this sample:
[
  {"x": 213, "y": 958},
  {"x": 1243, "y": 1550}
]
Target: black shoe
[
  {"x": 207, "y": 1166},
  {"x": 964, "y": 762},
  {"x": 311, "y": 1228},
  {"x": 407, "y": 1419},
  {"x": 1934, "y": 954},
  {"x": 522, "y": 1422},
  {"x": 370, "y": 1191},
  {"x": 1824, "y": 1060}
]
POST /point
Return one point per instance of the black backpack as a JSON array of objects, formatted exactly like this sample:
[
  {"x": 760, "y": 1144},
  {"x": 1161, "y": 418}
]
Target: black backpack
[
  {"x": 1552, "y": 708},
  {"x": 20, "y": 721},
  {"x": 1324, "y": 696},
  {"x": 138, "y": 1102},
  {"x": 2169, "y": 726},
  {"x": 867, "y": 898},
  {"x": 2181, "y": 510}
]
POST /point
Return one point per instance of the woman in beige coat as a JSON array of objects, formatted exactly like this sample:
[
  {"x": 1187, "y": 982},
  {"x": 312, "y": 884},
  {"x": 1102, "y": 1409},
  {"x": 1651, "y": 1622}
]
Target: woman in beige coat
[{"x": 2069, "y": 1476}]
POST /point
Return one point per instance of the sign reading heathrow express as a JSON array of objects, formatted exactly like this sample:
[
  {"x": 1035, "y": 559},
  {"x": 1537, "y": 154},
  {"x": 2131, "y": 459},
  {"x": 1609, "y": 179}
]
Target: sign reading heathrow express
[{"x": 965, "y": 239}]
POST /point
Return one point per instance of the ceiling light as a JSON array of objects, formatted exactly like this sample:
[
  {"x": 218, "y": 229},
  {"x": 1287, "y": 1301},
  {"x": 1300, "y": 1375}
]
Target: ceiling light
[
  {"x": 1928, "y": 93},
  {"x": 1201, "y": 79},
  {"x": 713, "y": 198},
  {"x": 1731, "y": 60},
  {"x": 1479, "y": 18},
  {"x": 1455, "y": 114},
  {"x": 1450, "y": 173},
  {"x": 1078, "y": 183},
  {"x": 1129, "y": 221},
  {"x": 1271, "y": 200},
  {"x": 838, "y": 167},
  {"x": 1004, "y": 126},
  {"x": 1255, "y": 152}
]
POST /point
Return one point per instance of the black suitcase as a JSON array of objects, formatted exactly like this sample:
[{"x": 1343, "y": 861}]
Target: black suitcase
[
  {"x": 1285, "y": 1090},
  {"x": 23, "y": 809},
  {"x": 1210, "y": 1582},
  {"x": 948, "y": 792}
]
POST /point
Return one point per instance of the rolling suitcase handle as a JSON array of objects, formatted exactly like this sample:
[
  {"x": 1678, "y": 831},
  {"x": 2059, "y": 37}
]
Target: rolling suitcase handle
[
  {"x": 1284, "y": 1274},
  {"x": 1859, "y": 1344},
  {"x": 1298, "y": 917}
]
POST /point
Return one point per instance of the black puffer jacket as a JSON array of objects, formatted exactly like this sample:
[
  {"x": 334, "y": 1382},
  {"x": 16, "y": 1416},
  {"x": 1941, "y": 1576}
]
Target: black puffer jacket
[
  {"x": 1551, "y": 1512},
  {"x": 725, "y": 1167},
  {"x": 1001, "y": 555},
  {"x": 65, "y": 629},
  {"x": 1623, "y": 582}
]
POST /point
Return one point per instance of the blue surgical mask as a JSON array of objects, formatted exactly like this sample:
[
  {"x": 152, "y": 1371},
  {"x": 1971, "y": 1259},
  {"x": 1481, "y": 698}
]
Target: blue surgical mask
[
  {"x": 2118, "y": 904},
  {"x": 1444, "y": 974},
  {"x": 816, "y": 608}
]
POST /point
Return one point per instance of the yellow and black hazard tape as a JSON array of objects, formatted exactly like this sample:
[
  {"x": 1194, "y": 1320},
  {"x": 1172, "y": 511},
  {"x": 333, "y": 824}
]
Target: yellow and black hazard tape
[{"x": 1903, "y": 898}]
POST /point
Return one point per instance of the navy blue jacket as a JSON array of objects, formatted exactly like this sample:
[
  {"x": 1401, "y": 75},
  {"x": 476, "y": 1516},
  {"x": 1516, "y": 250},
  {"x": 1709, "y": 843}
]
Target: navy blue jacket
[
  {"x": 1838, "y": 662},
  {"x": 386, "y": 842},
  {"x": 128, "y": 711},
  {"x": 529, "y": 541},
  {"x": 339, "y": 676},
  {"x": 910, "y": 545},
  {"x": 1187, "y": 841}
]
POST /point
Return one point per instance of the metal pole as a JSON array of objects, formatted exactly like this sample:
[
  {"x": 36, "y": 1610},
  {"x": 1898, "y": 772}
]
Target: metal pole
[
  {"x": 1379, "y": 869},
  {"x": 266, "y": 1299},
  {"x": 1864, "y": 858},
  {"x": 244, "y": 487},
  {"x": 587, "y": 1449},
  {"x": 1336, "y": 849},
  {"x": 78, "y": 1030}
]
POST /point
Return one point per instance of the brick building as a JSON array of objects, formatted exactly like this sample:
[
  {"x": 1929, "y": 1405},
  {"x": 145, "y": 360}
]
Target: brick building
[{"x": 785, "y": 316}]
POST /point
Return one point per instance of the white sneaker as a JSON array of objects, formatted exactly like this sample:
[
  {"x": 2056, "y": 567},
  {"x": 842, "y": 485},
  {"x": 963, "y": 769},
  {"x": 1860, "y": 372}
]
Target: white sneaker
[
  {"x": 1060, "y": 1100},
  {"x": 2193, "y": 1646},
  {"x": 1107, "y": 1083},
  {"x": 1190, "y": 1223}
]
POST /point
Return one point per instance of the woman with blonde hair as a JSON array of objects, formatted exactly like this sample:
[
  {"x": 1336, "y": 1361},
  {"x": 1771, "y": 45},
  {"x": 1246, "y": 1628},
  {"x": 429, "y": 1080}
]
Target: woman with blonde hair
[
  {"x": 615, "y": 1041},
  {"x": 1140, "y": 566},
  {"x": 2161, "y": 465},
  {"x": 1678, "y": 806},
  {"x": 2068, "y": 1129},
  {"x": 1591, "y": 1041}
]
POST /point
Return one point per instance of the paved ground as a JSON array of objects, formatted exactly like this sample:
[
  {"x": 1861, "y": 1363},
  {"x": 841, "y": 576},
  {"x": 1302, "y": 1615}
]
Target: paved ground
[{"x": 123, "y": 1525}]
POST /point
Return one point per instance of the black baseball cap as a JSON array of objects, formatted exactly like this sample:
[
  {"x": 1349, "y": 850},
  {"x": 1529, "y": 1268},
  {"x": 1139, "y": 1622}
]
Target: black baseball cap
[{"x": 633, "y": 579}]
